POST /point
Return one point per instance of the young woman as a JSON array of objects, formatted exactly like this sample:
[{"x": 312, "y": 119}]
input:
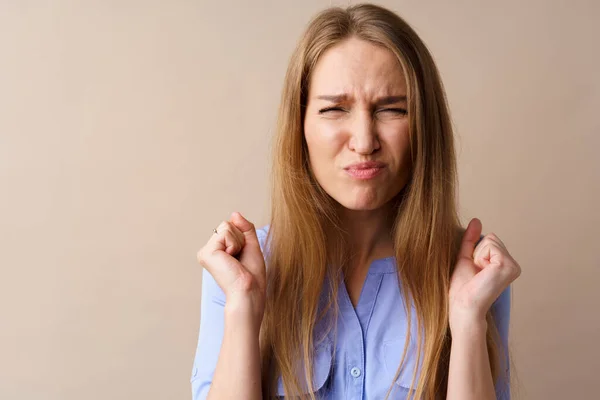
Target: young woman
[{"x": 363, "y": 285}]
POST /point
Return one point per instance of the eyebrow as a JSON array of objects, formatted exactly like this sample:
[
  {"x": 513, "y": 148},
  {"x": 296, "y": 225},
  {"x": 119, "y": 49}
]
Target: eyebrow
[{"x": 382, "y": 101}]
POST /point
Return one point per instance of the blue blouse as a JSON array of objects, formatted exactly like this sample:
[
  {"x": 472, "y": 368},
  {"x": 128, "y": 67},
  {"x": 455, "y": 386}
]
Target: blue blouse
[{"x": 368, "y": 347}]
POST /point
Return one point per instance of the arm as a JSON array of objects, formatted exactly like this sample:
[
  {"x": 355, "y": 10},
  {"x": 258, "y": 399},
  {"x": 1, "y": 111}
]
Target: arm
[
  {"x": 479, "y": 283},
  {"x": 227, "y": 361},
  {"x": 238, "y": 373},
  {"x": 470, "y": 375}
]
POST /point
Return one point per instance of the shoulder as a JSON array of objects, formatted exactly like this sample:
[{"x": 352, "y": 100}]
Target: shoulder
[
  {"x": 501, "y": 309},
  {"x": 501, "y": 313},
  {"x": 261, "y": 233},
  {"x": 262, "y": 230}
]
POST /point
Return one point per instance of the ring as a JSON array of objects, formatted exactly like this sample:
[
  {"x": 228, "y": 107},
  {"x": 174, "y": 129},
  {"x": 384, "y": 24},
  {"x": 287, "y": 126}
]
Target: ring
[{"x": 215, "y": 230}]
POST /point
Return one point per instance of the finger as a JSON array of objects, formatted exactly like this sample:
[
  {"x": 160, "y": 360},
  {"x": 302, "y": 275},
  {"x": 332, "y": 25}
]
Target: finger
[
  {"x": 482, "y": 253},
  {"x": 488, "y": 284},
  {"x": 226, "y": 240},
  {"x": 489, "y": 253},
  {"x": 470, "y": 238},
  {"x": 251, "y": 256},
  {"x": 495, "y": 238},
  {"x": 245, "y": 227},
  {"x": 223, "y": 267},
  {"x": 229, "y": 225}
]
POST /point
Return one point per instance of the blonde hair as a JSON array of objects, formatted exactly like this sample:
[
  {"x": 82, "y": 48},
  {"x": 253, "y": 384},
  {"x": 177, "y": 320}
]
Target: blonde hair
[{"x": 306, "y": 238}]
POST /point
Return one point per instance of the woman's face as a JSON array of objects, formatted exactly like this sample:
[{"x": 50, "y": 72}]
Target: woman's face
[{"x": 356, "y": 113}]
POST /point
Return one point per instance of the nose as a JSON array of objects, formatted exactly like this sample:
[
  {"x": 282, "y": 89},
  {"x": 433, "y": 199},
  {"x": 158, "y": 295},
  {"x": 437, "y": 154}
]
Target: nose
[{"x": 363, "y": 134}]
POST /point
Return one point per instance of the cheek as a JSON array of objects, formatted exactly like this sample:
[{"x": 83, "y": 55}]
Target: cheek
[
  {"x": 397, "y": 139},
  {"x": 324, "y": 142}
]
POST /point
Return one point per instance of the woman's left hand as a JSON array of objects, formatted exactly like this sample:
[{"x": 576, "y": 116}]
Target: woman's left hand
[{"x": 481, "y": 274}]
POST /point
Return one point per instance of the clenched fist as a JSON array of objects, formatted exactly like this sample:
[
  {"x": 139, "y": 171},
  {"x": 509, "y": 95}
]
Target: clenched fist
[
  {"x": 481, "y": 274},
  {"x": 234, "y": 258}
]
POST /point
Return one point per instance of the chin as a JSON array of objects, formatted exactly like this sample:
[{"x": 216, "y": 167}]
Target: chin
[
  {"x": 360, "y": 203},
  {"x": 361, "y": 207}
]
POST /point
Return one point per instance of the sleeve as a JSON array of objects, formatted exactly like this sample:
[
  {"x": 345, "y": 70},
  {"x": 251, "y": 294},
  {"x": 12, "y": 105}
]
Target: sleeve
[
  {"x": 210, "y": 337},
  {"x": 212, "y": 326},
  {"x": 501, "y": 310}
]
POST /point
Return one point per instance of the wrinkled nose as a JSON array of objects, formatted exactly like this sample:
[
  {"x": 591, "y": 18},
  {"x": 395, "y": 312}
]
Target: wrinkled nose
[{"x": 364, "y": 138}]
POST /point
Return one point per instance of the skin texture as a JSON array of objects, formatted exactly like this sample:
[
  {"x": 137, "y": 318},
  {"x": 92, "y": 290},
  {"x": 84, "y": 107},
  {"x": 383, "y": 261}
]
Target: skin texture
[
  {"x": 360, "y": 127},
  {"x": 356, "y": 111}
]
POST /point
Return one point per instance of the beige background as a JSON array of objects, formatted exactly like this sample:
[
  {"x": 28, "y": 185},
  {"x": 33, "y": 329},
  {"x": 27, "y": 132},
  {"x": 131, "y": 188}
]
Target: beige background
[{"x": 128, "y": 130}]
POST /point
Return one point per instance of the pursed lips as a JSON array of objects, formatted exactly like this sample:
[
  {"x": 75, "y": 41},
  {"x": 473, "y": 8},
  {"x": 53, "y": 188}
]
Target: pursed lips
[
  {"x": 365, "y": 170},
  {"x": 365, "y": 165}
]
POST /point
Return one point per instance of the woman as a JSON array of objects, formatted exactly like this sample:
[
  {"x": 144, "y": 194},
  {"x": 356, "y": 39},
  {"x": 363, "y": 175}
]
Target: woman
[{"x": 371, "y": 287}]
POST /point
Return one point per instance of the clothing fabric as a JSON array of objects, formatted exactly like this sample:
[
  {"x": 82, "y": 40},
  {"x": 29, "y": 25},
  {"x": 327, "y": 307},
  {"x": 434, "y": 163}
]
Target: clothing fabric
[{"x": 368, "y": 347}]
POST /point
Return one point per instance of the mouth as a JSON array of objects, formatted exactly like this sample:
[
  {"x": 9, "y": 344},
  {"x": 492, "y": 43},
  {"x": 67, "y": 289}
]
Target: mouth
[
  {"x": 366, "y": 170},
  {"x": 364, "y": 174}
]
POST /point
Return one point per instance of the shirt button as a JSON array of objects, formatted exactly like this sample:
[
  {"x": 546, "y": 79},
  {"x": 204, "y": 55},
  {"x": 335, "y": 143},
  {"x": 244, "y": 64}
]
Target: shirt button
[{"x": 355, "y": 372}]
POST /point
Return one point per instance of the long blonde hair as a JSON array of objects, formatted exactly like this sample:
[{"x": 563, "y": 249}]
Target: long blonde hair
[{"x": 306, "y": 237}]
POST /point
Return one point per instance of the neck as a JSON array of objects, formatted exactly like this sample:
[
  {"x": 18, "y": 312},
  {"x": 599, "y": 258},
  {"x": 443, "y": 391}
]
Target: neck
[{"x": 369, "y": 234}]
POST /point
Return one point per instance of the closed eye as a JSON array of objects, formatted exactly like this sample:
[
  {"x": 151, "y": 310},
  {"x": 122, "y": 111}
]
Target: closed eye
[
  {"x": 327, "y": 109},
  {"x": 399, "y": 111}
]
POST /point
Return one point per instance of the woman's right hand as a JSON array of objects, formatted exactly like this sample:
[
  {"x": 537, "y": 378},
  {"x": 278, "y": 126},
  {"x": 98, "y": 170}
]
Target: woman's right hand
[{"x": 234, "y": 259}]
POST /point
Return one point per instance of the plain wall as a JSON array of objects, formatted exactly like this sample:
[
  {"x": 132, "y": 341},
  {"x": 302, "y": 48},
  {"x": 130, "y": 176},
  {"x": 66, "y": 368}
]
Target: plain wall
[{"x": 129, "y": 129}]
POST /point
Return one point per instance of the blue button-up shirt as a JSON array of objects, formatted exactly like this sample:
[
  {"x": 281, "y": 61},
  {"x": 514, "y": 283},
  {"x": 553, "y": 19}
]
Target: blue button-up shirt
[{"x": 368, "y": 347}]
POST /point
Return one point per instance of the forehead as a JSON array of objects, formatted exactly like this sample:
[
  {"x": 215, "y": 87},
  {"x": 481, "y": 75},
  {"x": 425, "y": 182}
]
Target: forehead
[{"x": 359, "y": 68}]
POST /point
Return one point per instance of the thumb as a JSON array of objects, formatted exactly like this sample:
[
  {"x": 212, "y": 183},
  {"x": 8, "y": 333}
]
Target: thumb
[
  {"x": 470, "y": 239},
  {"x": 251, "y": 256},
  {"x": 465, "y": 268}
]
